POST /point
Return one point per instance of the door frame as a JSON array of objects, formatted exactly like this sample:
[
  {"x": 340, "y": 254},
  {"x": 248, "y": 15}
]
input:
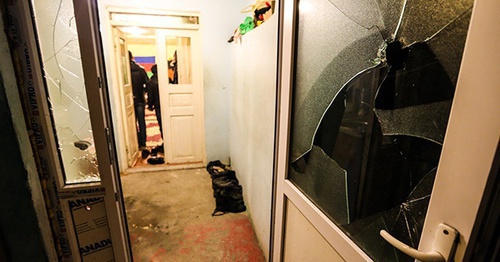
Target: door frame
[
  {"x": 283, "y": 188},
  {"x": 60, "y": 196},
  {"x": 480, "y": 62},
  {"x": 95, "y": 78},
  {"x": 106, "y": 12}
]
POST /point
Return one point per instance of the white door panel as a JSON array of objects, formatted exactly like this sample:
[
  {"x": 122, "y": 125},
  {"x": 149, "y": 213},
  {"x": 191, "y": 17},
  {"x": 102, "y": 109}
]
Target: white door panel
[
  {"x": 181, "y": 101},
  {"x": 182, "y": 133},
  {"x": 181, "y": 93},
  {"x": 303, "y": 242}
]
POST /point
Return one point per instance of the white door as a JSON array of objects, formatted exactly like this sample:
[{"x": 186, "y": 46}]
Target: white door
[
  {"x": 181, "y": 93},
  {"x": 75, "y": 146},
  {"x": 333, "y": 197},
  {"x": 126, "y": 96}
]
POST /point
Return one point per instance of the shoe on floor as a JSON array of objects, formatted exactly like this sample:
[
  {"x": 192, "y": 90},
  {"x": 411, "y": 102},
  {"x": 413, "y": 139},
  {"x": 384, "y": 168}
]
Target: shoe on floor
[
  {"x": 156, "y": 150},
  {"x": 156, "y": 160},
  {"x": 145, "y": 153}
]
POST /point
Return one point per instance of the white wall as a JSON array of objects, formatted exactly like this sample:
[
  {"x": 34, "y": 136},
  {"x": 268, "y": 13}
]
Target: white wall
[
  {"x": 218, "y": 20},
  {"x": 253, "y": 103}
]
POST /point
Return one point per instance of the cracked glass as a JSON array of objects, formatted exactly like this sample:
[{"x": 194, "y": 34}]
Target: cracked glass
[
  {"x": 373, "y": 87},
  {"x": 62, "y": 67}
]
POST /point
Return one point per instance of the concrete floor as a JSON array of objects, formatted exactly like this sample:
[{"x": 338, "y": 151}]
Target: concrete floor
[{"x": 169, "y": 218}]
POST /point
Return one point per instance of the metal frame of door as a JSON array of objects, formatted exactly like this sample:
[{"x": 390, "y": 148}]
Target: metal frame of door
[
  {"x": 86, "y": 16},
  {"x": 464, "y": 165},
  {"x": 62, "y": 197}
]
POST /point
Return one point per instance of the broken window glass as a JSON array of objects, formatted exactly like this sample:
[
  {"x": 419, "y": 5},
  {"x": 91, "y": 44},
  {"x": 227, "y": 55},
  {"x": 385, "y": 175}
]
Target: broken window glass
[
  {"x": 373, "y": 87},
  {"x": 60, "y": 50}
]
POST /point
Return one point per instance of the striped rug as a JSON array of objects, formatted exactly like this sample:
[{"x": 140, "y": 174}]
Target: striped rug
[{"x": 152, "y": 130}]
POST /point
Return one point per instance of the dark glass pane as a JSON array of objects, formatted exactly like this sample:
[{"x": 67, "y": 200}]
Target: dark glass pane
[
  {"x": 373, "y": 89},
  {"x": 327, "y": 39},
  {"x": 423, "y": 19},
  {"x": 383, "y": 14}
]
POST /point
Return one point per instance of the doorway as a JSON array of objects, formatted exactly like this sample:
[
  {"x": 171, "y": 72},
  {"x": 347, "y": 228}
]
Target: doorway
[
  {"x": 158, "y": 197},
  {"x": 167, "y": 46}
]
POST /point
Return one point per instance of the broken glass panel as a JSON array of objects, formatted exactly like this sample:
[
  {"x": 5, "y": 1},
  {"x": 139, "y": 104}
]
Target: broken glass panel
[
  {"x": 321, "y": 70},
  {"x": 327, "y": 175},
  {"x": 66, "y": 91},
  {"x": 373, "y": 87}
]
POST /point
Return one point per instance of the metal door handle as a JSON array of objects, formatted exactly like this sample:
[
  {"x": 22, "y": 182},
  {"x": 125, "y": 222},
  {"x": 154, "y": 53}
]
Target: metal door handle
[{"x": 442, "y": 248}]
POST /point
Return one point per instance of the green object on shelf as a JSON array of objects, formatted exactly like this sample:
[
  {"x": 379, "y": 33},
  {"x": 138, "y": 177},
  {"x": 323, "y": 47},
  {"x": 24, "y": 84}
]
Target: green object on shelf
[{"x": 247, "y": 25}]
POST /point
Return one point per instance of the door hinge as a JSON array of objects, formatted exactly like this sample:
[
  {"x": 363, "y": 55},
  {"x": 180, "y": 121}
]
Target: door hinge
[
  {"x": 100, "y": 82},
  {"x": 110, "y": 146}
]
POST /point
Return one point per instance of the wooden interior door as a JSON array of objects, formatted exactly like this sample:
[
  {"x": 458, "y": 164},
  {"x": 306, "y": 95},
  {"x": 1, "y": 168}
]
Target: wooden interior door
[
  {"x": 181, "y": 93},
  {"x": 127, "y": 99}
]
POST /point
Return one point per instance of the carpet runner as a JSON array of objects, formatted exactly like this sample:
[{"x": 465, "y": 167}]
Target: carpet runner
[{"x": 153, "y": 137}]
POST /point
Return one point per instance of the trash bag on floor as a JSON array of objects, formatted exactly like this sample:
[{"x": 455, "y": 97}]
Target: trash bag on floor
[{"x": 228, "y": 193}]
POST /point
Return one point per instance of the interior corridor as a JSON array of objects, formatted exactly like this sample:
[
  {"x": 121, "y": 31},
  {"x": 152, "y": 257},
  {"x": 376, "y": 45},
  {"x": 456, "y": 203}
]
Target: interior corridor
[
  {"x": 169, "y": 219},
  {"x": 170, "y": 215}
]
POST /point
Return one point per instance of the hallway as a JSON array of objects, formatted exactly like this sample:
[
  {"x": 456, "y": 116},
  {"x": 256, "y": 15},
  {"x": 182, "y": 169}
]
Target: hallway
[{"x": 169, "y": 218}]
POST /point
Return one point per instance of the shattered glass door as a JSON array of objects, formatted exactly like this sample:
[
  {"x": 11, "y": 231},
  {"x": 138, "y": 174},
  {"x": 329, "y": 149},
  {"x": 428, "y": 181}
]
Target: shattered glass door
[
  {"x": 373, "y": 86},
  {"x": 67, "y": 97}
]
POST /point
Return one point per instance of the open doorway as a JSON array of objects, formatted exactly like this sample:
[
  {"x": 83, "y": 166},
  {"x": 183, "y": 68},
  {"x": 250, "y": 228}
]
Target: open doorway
[
  {"x": 138, "y": 45},
  {"x": 166, "y": 45}
]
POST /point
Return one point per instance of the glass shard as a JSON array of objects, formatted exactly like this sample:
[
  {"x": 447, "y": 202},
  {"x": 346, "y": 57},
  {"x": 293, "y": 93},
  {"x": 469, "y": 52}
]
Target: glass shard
[
  {"x": 382, "y": 14},
  {"x": 425, "y": 121},
  {"x": 321, "y": 67},
  {"x": 448, "y": 45},
  {"x": 422, "y": 19},
  {"x": 323, "y": 174},
  {"x": 417, "y": 79}
]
